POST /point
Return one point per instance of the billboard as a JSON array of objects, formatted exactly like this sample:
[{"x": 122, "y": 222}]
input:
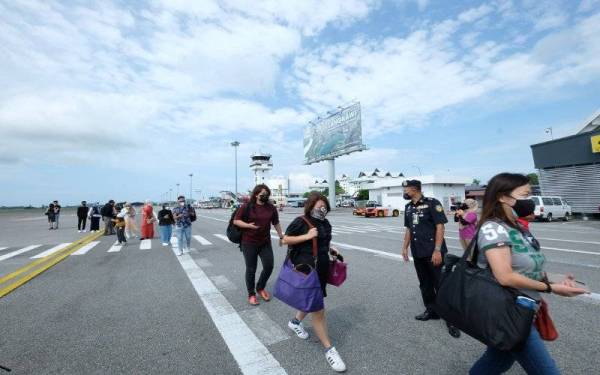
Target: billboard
[{"x": 338, "y": 134}]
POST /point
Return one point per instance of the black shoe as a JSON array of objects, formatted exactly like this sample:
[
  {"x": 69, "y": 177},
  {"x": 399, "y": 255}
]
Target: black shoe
[
  {"x": 454, "y": 332},
  {"x": 427, "y": 315}
]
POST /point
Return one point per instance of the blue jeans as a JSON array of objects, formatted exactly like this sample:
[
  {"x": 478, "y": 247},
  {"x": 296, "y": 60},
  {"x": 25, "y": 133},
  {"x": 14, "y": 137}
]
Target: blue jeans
[
  {"x": 165, "y": 233},
  {"x": 184, "y": 234},
  {"x": 534, "y": 358}
]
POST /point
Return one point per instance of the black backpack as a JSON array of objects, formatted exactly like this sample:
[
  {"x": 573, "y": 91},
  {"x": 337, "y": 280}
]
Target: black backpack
[
  {"x": 192, "y": 214},
  {"x": 234, "y": 233}
]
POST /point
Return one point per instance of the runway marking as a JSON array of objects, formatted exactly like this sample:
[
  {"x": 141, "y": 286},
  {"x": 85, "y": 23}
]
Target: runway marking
[
  {"x": 570, "y": 251},
  {"x": 51, "y": 251},
  {"x": 267, "y": 330},
  {"x": 213, "y": 218},
  {"x": 86, "y": 248},
  {"x": 115, "y": 248},
  {"x": 595, "y": 297},
  {"x": 251, "y": 355},
  {"x": 2, "y": 248},
  {"x": 203, "y": 241},
  {"x": 223, "y": 237},
  {"x": 17, "y": 252},
  {"x": 223, "y": 283},
  {"x": 145, "y": 244}
]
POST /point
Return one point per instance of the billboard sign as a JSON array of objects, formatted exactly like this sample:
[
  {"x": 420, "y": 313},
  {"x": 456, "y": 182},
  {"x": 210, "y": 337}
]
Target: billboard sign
[{"x": 338, "y": 134}]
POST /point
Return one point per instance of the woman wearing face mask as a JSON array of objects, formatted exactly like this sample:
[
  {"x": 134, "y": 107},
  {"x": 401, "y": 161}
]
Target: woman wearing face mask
[
  {"x": 299, "y": 237},
  {"x": 467, "y": 222},
  {"x": 256, "y": 240},
  {"x": 514, "y": 256}
]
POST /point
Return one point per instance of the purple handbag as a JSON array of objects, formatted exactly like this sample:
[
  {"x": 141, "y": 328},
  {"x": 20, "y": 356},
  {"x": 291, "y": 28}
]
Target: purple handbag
[
  {"x": 297, "y": 289},
  {"x": 337, "y": 272}
]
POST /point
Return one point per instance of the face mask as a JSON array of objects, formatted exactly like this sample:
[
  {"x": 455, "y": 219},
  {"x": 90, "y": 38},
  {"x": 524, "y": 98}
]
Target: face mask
[
  {"x": 523, "y": 207},
  {"x": 407, "y": 197},
  {"x": 263, "y": 198},
  {"x": 319, "y": 213},
  {"x": 182, "y": 204}
]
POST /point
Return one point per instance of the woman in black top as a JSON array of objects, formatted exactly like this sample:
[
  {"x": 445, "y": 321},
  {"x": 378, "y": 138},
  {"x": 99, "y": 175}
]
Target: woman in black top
[
  {"x": 299, "y": 238},
  {"x": 165, "y": 224},
  {"x": 51, "y": 216}
]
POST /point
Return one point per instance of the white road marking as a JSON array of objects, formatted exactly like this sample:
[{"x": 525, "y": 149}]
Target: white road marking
[
  {"x": 145, "y": 244},
  {"x": 570, "y": 251},
  {"x": 203, "y": 241},
  {"x": 17, "y": 252},
  {"x": 86, "y": 248},
  {"x": 213, "y": 218},
  {"x": 51, "y": 251},
  {"x": 592, "y": 296},
  {"x": 223, "y": 283},
  {"x": 561, "y": 240},
  {"x": 223, "y": 237},
  {"x": 249, "y": 352},
  {"x": 2, "y": 248},
  {"x": 115, "y": 248},
  {"x": 268, "y": 331}
]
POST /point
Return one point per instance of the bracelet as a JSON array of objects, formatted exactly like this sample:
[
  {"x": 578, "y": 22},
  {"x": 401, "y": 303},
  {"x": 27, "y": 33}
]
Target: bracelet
[{"x": 548, "y": 287}]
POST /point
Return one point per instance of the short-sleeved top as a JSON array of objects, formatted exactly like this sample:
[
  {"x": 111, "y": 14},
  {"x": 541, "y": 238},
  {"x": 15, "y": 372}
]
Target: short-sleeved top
[
  {"x": 467, "y": 231},
  {"x": 527, "y": 259},
  {"x": 185, "y": 220},
  {"x": 421, "y": 219},
  {"x": 262, "y": 215}
]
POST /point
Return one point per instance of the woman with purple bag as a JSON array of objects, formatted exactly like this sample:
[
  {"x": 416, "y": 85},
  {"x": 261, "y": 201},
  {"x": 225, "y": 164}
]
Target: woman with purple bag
[{"x": 299, "y": 236}]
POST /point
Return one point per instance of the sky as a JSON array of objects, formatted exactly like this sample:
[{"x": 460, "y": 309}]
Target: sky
[{"x": 124, "y": 99}]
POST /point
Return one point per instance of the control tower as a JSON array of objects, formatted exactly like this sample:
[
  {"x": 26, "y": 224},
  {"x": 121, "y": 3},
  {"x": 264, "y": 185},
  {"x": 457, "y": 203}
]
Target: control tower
[{"x": 260, "y": 164}]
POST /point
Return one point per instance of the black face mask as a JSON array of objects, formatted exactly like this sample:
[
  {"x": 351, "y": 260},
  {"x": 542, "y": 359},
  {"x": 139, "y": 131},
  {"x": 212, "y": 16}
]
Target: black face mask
[
  {"x": 407, "y": 197},
  {"x": 263, "y": 198},
  {"x": 524, "y": 207}
]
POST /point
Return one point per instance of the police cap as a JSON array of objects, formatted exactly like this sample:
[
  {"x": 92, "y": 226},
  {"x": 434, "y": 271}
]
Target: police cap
[{"x": 412, "y": 183}]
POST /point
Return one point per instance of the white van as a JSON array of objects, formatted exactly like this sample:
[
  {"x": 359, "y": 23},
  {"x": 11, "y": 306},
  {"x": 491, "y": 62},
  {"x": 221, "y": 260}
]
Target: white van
[{"x": 551, "y": 208}]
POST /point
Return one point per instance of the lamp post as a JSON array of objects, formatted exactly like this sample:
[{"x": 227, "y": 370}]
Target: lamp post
[
  {"x": 177, "y": 189},
  {"x": 191, "y": 176},
  {"x": 235, "y": 145},
  {"x": 549, "y": 131},
  {"x": 419, "y": 169}
]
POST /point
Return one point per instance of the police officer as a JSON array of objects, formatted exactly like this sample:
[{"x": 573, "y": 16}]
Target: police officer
[{"x": 424, "y": 219}]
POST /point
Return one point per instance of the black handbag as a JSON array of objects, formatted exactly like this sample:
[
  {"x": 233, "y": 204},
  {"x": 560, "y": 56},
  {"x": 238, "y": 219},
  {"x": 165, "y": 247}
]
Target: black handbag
[{"x": 471, "y": 299}]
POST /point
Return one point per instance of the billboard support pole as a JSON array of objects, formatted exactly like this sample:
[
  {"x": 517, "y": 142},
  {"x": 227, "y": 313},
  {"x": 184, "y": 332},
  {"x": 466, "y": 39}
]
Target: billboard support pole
[{"x": 331, "y": 165}]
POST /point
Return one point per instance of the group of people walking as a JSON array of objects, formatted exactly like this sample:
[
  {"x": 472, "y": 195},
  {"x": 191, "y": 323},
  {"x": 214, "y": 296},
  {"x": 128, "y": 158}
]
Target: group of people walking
[
  {"x": 505, "y": 245},
  {"x": 53, "y": 214}
]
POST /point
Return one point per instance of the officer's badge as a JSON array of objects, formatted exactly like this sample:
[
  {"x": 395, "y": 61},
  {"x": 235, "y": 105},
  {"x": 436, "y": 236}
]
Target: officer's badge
[{"x": 439, "y": 208}]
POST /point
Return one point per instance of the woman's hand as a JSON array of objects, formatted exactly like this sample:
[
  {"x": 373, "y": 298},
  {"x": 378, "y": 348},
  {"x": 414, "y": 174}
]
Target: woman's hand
[
  {"x": 567, "y": 291},
  {"x": 569, "y": 280},
  {"x": 312, "y": 233},
  {"x": 333, "y": 251}
]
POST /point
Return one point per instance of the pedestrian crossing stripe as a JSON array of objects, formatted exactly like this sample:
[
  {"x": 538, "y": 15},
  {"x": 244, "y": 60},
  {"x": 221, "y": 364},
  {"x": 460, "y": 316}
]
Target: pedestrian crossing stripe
[
  {"x": 203, "y": 241},
  {"x": 86, "y": 248},
  {"x": 222, "y": 236},
  {"x": 145, "y": 244},
  {"x": 17, "y": 252},
  {"x": 115, "y": 248},
  {"x": 51, "y": 250}
]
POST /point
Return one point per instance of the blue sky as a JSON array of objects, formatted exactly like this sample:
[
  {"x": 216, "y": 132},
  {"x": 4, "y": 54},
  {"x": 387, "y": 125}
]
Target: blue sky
[{"x": 124, "y": 99}]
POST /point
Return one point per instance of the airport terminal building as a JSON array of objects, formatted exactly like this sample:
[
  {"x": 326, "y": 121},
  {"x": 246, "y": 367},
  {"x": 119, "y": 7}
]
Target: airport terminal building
[{"x": 570, "y": 167}]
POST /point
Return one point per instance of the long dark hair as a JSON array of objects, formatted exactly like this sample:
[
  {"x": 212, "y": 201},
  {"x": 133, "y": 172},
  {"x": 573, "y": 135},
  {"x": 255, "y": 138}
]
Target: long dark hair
[
  {"x": 257, "y": 189},
  {"x": 312, "y": 199},
  {"x": 500, "y": 185}
]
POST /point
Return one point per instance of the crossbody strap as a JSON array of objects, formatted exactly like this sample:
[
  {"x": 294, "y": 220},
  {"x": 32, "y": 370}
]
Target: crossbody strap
[{"x": 314, "y": 240}]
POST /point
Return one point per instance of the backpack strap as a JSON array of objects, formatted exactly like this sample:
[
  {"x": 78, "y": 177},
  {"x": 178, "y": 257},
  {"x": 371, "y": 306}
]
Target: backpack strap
[{"x": 314, "y": 240}]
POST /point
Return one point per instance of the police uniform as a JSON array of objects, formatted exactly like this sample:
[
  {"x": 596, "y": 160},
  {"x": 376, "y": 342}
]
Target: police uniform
[{"x": 421, "y": 219}]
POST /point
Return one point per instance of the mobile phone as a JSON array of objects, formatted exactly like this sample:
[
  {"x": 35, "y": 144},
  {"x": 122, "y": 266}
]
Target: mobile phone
[{"x": 527, "y": 302}]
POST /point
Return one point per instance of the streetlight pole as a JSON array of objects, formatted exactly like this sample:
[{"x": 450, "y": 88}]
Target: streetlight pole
[
  {"x": 170, "y": 194},
  {"x": 177, "y": 189},
  {"x": 549, "y": 131},
  {"x": 419, "y": 169},
  {"x": 191, "y": 175},
  {"x": 235, "y": 145}
]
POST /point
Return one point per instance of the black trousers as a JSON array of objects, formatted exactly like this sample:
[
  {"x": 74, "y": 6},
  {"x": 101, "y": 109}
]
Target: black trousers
[
  {"x": 81, "y": 223},
  {"x": 429, "y": 280},
  {"x": 251, "y": 255},
  {"x": 121, "y": 234}
]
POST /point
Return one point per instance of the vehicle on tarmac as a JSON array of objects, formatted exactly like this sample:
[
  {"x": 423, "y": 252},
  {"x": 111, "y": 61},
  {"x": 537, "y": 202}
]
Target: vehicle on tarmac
[
  {"x": 379, "y": 211},
  {"x": 361, "y": 207},
  {"x": 347, "y": 203},
  {"x": 550, "y": 208}
]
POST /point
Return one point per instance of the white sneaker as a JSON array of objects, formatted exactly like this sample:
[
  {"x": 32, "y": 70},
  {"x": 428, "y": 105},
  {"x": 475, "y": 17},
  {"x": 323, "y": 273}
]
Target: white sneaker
[
  {"x": 180, "y": 253},
  {"x": 298, "y": 330},
  {"x": 84, "y": 231},
  {"x": 164, "y": 244},
  {"x": 334, "y": 360},
  {"x": 79, "y": 231}
]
